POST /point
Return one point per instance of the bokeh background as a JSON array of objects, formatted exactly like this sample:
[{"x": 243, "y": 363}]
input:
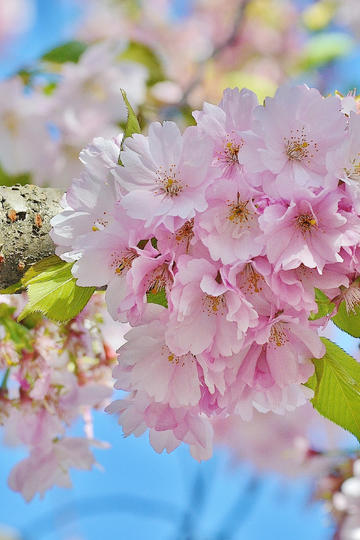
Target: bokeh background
[{"x": 203, "y": 47}]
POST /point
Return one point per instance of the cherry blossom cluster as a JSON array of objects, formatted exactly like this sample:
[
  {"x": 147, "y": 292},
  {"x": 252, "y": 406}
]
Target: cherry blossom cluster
[
  {"x": 51, "y": 110},
  {"x": 52, "y": 376},
  {"x": 230, "y": 225}
]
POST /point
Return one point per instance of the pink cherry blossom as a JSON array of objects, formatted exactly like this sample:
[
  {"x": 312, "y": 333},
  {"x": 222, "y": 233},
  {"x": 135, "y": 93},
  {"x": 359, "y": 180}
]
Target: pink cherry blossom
[
  {"x": 308, "y": 231},
  {"x": 50, "y": 466},
  {"x": 224, "y": 124},
  {"x": 229, "y": 228},
  {"x": 167, "y": 426},
  {"x": 148, "y": 365},
  {"x": 294, "y": 147},
  {"x": 200, "y": 299},
  {"x": 166, "y": 175}
]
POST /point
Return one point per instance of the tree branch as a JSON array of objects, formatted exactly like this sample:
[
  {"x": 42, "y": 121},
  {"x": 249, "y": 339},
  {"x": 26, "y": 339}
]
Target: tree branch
[{"x": 25, "y": 213}]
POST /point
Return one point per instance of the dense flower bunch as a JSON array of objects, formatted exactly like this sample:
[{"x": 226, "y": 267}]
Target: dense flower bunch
[
  {"x": 164, "y": 60},
  {"x": 52, "y": 376},
  {"x": 230, "y": 226}
]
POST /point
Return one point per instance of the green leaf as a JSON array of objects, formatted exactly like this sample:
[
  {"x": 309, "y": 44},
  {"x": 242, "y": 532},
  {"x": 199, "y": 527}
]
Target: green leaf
[
  {"x": 349, "y": 322},
  {"x": 6, "y": 310},
  {"x": 67, "y": 52},
  {"x": 325, "y": 307},
  {"x": 336, "y": 385},
  {"x": 52, "y": 290},
  {"x": 16, "y": 332},
  {"x": 132, "y": 124},
  {"x": 158, "y": 297},
  {"x": 49, "y": 88},
  {"x": 142, "y": 54},
  {"x": 50, "y": 262},
  {"x": 42, "y": 268},
  {"x": 32, "y": 320},
  {"x": 12, "y": 288}
]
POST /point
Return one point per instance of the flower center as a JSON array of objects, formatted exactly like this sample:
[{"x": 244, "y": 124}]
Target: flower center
[
  {"x": 298, "y": 147},
  {"x": 159, "y": 279},
  {"x": 250, "y": 280},
  {"x": 306, "y": 222},
  {"x": 239, "y": 212},
  {"x": 176, "y": 360},
  {"x": 122, "y": 261},
  {"x": 214, "y": 304},
  {"x": 229, "y": 154},
  {"x": 168, "y": 181},
  {"x": 100, "y": 223},
  {"x": 185, "y": 233},
  {"x": 231, "y": 151},
  {"x": 278, "y": 335}
]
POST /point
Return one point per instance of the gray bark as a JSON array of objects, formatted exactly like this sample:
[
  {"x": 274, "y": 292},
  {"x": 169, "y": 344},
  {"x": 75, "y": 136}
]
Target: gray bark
[{"x": 25, "y": 213}]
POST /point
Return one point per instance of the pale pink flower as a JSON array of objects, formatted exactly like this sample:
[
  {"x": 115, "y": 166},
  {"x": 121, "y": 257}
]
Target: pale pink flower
[
  {"x": 308, "y": 231},
  {"x": 150, "y": 273},
  {"x": 89, "y": 204},
  {"x": 49, "y": 466},
  {"x": 89, "y": 207},
  {"x": 224, "y": 124},
  {"x": 344, "y": 161},
  {"x": 253, "y": 278},
  {"x": 229, "y": 228},
  {"x": 167, "y": 426},
  {"x": 296, "y": 287},
  {"x": 31, "y": 427},
  {"x": 273, "y": 367},
  {"x": 115, "y": 246},
  {"x": 166, "y": 175},
  {"x": 219, "y": 312},
  {"x": 147, "y": 365},
  {"x": 294, "y": 146}
]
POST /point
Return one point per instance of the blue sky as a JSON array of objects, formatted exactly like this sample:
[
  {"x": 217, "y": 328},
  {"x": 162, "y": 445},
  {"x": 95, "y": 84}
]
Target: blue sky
[{"x": 141, "y": 495}]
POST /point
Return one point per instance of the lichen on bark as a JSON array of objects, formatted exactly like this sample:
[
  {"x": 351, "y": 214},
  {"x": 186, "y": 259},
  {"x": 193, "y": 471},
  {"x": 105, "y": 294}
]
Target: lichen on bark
[{"x": 25, "y": 214}]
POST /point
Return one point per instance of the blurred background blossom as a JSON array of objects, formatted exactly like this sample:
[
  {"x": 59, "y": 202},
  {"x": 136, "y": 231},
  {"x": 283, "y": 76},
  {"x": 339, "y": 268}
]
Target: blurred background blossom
[{"x": 62, "y": 65}]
